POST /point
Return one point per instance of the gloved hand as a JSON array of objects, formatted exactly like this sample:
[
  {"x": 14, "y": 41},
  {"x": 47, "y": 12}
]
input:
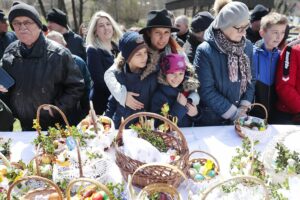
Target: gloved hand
[{"x": 240, "y": 112}]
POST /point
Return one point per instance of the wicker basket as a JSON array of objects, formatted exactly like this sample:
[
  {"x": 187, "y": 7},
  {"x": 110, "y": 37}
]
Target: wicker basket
[
  {"x": 43, "y": 191},
  {"x": 155, "y": 187},
  {"x": 96, "y": 183},
  {"x": 40, "y": 132},
  {"x": 240, "y": 130},
  {"x": 203, "y": 160},
  {"x": 154, "y": 174},
  {"x": 246, "y": 180}
]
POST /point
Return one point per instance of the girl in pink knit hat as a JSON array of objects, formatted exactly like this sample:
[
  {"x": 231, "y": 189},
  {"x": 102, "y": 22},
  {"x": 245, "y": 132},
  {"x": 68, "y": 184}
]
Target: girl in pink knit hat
[{"x": 177, "y": 89}]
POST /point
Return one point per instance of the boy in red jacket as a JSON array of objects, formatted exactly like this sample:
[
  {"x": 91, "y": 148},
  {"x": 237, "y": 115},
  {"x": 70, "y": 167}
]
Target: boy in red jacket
[{"x": 288, "y": 84}]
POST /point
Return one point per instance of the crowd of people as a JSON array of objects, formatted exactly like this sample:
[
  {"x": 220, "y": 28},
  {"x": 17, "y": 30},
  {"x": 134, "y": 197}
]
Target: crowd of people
[{"x": 209, "y": 71}]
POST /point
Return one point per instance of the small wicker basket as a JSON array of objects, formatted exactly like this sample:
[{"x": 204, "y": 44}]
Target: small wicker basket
[
  {"x": 94, "y": 182},
  {"x": 40, "y": 132},
  {"x": 154, "y": 174},
  {"x": 203, "y": 160},
  {"x": 155, "y": 187},
  {"x": 43, "y": 191},
  {"x": 240, "y": 130},
  {"x": 245, "y": 179}
]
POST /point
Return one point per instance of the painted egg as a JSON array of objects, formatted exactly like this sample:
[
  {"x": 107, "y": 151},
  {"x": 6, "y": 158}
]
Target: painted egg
[{"x": 199, "y": 177}]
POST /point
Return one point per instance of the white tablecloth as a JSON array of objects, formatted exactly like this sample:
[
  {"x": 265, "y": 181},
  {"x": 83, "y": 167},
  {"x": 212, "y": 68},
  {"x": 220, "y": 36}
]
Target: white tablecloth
[{"x": 220, "y": 141}]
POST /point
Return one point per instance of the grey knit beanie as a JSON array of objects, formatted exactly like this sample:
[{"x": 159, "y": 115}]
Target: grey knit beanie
[
  {"x": 231, "y": 14},
  {"x": 22, "y": 9}
]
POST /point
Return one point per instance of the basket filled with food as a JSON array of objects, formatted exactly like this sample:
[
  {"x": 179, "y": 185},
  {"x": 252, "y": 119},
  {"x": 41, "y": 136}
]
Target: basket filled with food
[
  {"x": 253, "y": 127},
  {"x": 143, "y": 143},
  {"x": 97, "y": 129},
  {"x": 87, "y": 189},
  {"x": 203, "y": 168}
]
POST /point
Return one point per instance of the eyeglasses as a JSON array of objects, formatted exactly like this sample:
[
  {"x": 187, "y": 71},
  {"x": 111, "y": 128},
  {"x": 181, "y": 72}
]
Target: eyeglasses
[
  {"x": 242, "y": 28},
  {"x": 18, "y": 25}
]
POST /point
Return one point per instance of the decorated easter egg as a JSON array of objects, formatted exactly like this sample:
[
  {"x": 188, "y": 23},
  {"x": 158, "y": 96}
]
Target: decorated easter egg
[
  {"x": 211, "y": 173},
  {"x": 199, "y": 177},
  {"x": 196, "y": 166}
]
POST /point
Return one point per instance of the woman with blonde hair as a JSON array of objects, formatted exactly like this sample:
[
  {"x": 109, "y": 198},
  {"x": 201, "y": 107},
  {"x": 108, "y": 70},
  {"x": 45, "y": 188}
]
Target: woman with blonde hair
[{"x": 102, "y": 38}]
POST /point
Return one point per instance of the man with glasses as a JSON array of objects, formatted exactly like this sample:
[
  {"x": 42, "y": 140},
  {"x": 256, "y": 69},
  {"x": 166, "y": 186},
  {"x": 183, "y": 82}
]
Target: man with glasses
[
  {"x": 5, "y": 37},
  {"x": 44, "y": 72}
]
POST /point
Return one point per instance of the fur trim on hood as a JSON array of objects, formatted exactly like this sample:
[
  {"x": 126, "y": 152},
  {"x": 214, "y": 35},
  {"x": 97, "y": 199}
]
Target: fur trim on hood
[
  {"x": 151, "y": 66},
  {"x": 190, "y": 81}
]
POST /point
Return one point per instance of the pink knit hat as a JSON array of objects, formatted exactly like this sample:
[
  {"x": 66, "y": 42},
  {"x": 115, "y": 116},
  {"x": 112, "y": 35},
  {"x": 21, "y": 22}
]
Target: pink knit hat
[{"x": 172, "y": 63}]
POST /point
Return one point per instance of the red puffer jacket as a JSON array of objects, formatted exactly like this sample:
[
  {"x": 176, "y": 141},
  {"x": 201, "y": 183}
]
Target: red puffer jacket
[{"x": 288, "y": 79}]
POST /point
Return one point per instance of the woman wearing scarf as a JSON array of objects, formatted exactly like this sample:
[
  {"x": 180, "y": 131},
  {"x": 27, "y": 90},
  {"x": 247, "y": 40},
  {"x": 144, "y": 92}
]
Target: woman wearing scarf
[{"x": 224, "y": 67}]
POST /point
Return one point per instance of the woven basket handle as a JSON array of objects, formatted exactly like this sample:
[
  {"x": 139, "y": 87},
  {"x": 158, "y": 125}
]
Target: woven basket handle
[
  {"x": 203, "y": 152},
  {"x": 38, "y": 113},
  {"x": 152, "y": 115},
  {"x": 60, "y": 194},
  {"x": 260, "y": 105},
  {"x": 98, "y": 184},
  {"x": 5, "y": 161},
  {"x": 131, "y": 189},
  {"x": 251, "y": 178}
]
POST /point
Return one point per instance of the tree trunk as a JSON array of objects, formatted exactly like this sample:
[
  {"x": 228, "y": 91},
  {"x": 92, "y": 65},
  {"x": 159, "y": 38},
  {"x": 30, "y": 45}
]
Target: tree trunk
[
  {"x": 80, "y": 11},
  {"x": 42, "y": 9},
  {"x": 74, "y": 16},
  {"x": 62, "y": 6}
]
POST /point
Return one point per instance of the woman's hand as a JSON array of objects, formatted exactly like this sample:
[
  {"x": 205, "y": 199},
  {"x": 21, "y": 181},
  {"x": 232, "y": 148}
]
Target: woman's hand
[
  {"x": 192, "y": 110},
  {"x": 181, "y": 99},
  {"x": 3, "y": 89},
  {"x": 132, "y": 103}
]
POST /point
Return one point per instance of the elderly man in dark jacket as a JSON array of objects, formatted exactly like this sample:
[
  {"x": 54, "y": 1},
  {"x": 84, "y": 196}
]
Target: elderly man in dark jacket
[{"x": 44, "y": 71}]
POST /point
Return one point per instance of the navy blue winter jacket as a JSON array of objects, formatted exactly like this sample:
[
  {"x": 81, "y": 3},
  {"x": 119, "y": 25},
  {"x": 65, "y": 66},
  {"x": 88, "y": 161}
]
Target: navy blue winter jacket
[
  {"x": 145, "y": 88},
  {"x": 219, "y": 96}
]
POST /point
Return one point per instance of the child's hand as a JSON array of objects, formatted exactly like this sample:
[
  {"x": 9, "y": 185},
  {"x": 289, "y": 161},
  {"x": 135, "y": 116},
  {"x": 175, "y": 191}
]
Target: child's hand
[
  {"x": 132, "y": 103},
  {"x": 192, "y": 110},
  {"x": 181, "y": 99},
  {"x": 2, "y": 89}
]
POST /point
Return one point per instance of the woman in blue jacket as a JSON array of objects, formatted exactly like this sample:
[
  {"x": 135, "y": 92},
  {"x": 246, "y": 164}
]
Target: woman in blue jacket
[{"x": 224, "y": 67}]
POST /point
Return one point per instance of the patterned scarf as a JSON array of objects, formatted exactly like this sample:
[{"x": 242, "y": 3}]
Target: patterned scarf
[{"x": 238, "y": 61}]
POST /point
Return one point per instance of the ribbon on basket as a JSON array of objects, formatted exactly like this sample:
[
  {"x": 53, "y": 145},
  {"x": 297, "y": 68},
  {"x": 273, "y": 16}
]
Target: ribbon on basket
[{"x": 155, "y": 187}]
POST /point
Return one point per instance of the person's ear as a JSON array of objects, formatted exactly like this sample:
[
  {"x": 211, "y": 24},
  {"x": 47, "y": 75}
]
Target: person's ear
[{"x": 262, "y": 33}]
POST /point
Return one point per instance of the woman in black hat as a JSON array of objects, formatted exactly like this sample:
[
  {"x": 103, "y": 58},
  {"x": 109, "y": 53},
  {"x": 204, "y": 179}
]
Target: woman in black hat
[{"x": 157, "y": 35}]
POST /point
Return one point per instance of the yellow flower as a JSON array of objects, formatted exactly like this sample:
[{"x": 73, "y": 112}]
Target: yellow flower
[{"x": 165, "y": 109}]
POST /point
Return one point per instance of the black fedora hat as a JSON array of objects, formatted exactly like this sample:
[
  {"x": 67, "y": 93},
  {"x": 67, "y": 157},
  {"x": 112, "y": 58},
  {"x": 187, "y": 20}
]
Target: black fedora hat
[{"x": 158, "y": 19}]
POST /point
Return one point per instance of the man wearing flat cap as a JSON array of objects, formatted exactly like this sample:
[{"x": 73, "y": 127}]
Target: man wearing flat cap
[
  {"x": 200, "y": 23},
  {"x": 258, "y": 12},
  {"x": 5, "y": 37},
  {"x": 58, "y": 21},
  {"x": 44, "y": 72}
]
